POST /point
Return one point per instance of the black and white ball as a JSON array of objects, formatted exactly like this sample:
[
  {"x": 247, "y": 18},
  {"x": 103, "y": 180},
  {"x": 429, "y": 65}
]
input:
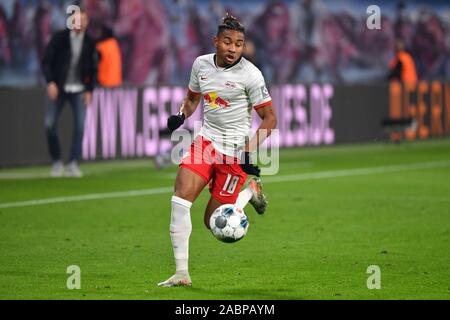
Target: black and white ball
[{"x": 228, "y": 223}]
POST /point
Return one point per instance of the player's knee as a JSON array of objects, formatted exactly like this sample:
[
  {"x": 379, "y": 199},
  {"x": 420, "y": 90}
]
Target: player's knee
[
  {"x": 51, "y": 128},
  {"x": 183, "y": 193}
]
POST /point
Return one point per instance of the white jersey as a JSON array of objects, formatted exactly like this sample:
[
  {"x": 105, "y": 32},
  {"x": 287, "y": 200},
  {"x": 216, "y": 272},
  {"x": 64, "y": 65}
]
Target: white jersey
[{"x": 229, "y": 96}]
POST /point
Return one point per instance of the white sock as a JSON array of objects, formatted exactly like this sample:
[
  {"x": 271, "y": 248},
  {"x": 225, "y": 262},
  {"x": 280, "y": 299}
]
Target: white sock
[
  {"x": 180, "y": 230},
  {"x": 243, "y": 198}
]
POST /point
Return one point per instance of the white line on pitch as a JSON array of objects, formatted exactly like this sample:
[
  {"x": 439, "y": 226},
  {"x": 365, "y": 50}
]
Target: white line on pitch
[
  {"x": 274, "y": 179},
  {"x": 358, "y": 171},
  {"x": 84, "y": 197},
  {"x": 23, "y": 175},
  {"x": 88, "y": 170}
]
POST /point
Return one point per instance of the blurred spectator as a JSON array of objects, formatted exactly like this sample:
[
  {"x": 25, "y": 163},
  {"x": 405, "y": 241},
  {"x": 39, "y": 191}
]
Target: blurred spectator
[
  {"x": 17, "y": 34},
  {"x": 143, "y": 26},
  {"x": 5, "y": 49},
  {"x": 42, "y": 27},
  {"x": 69, "y": 67},
  {"x": 197, "y": 34},
  {"x": 297, "y": 40},
  {"x": 100, "y": 12},
  {"x": 177, "y": 20},
  {"x": 403, "y": 26},
  {"x": 216, "y": 12},
  {"x": 428, "y": 45},
  {"x": 190, "y": 34},
  {"x": 376, "y": 47},
  {"x": 272, "y": 34},
  {"x": 110, "y": 60},
  {"x": 249, "y": 52},
  {"x": 402, "y": 66},
  {"x": 306, "y": 21},
  {"x": 336, "y": 49}
]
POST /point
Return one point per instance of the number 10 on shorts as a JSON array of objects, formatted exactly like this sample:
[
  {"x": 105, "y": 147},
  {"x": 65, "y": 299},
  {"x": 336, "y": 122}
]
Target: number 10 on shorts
[{"x": 230, "y": 184}]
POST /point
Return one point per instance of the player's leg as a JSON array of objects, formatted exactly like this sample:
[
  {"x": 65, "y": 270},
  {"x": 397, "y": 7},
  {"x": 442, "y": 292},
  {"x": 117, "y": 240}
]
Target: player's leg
[
  {"x": 227, "y": 180},
  {"x": 213, "y": 204},
  {"x": 53, "y": 111},
  {"x": 79, "y": 114},
  {"x": 195, "y": 172},
  {"x": 188, "y": 186},
  {"x": 253, "y": 194},
  {"x": 243, "y": 198}
]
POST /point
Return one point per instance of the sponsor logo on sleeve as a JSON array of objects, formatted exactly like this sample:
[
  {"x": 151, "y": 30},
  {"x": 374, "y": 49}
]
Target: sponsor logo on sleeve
[{"x": 264, "y": 92}]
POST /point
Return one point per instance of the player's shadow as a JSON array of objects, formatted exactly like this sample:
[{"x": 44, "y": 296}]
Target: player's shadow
[{"x": 251, "y": 294}]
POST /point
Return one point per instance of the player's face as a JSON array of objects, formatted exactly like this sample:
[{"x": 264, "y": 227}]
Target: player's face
[{"x": 229, "y": 46}]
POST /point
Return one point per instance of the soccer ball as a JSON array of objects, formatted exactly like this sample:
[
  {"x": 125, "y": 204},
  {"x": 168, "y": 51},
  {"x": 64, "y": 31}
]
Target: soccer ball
[{"x": 228, "y": 223}]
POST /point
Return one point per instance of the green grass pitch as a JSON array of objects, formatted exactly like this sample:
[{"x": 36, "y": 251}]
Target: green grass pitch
[{"x": 326, "y": 223}]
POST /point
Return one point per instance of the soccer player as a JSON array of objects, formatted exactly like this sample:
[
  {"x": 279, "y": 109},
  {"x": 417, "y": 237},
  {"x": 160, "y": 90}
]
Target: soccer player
[{"x": 231, "y": 87}]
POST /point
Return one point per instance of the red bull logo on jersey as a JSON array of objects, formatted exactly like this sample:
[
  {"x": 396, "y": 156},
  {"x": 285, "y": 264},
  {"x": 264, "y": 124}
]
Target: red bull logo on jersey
[{"x": 214, "y": 100}]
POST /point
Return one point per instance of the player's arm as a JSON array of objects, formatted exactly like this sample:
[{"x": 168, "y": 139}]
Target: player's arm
[
  {"x": 260, "y": 99},
  {"x": 269, "y": 122},
  {"x": 190, "y": 103},
  {"x": 188, "y": 107}
]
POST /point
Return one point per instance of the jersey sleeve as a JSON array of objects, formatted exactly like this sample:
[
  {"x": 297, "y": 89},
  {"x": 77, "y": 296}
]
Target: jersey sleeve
[
  {"x": 194, "y": 85},
  {"x": 258, "y": 94}
]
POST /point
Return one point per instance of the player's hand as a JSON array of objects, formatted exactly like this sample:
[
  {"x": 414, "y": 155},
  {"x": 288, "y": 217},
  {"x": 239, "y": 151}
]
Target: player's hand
[
  {"x": 175, "y": 121},
  {"x": 52, "y": 90},
  {"x": 87, "y": 98},
  {"x": 247, "y": 166}
]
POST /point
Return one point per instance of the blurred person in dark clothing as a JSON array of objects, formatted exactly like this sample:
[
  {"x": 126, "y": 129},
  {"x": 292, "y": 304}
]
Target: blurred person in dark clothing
[{"x": 69, "y": 66}]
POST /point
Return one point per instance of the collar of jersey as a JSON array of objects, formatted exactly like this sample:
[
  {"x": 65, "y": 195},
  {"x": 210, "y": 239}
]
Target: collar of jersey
[{"x": 226, "y": 68}]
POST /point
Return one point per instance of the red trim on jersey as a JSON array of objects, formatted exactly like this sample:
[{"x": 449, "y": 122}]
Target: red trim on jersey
[
  {"x": 262, "y": 104},
  {"x": 193, "y": 92}
]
